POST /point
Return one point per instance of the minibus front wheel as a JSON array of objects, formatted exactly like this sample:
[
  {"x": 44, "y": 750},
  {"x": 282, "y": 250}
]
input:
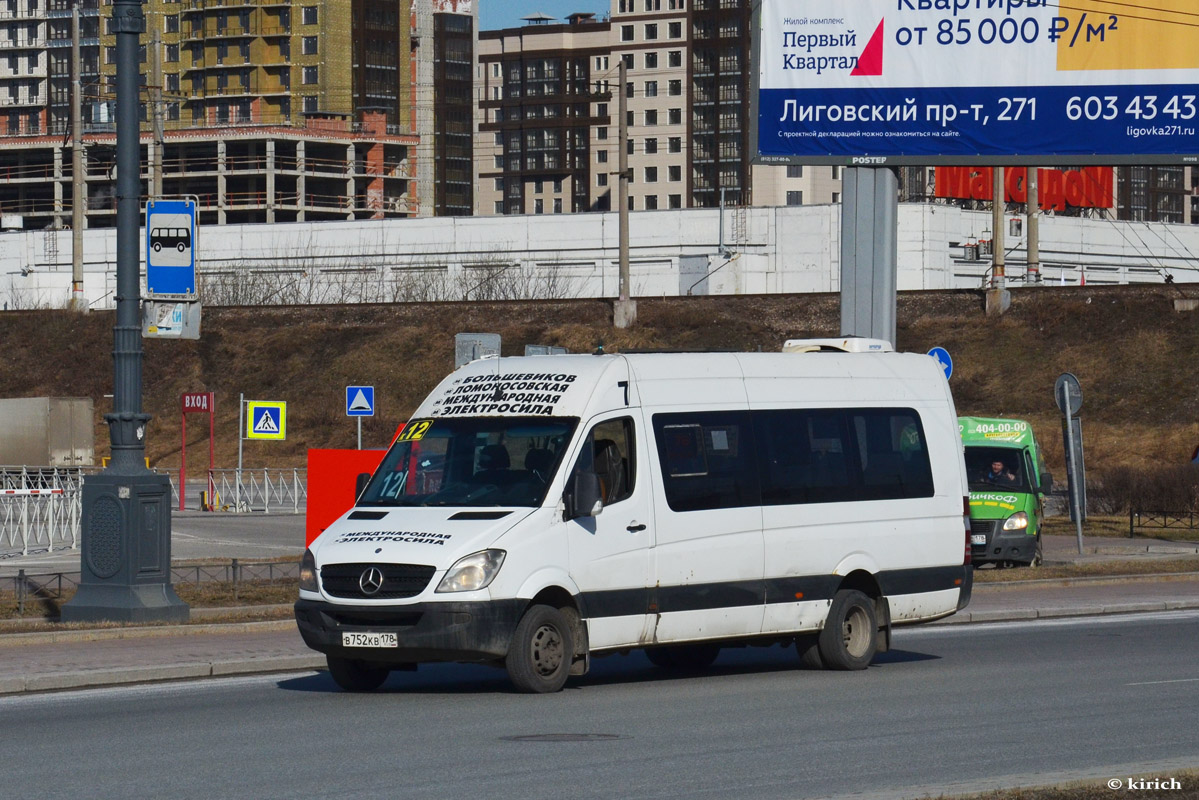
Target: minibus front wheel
[
  {"x": 849, "y": 639},
  {"x": 356, "y": 676},
  {"x": 541, "y": 652}
]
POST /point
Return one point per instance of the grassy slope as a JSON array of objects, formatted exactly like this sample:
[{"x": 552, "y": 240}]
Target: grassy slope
[{"x": 1132, "y": 353}]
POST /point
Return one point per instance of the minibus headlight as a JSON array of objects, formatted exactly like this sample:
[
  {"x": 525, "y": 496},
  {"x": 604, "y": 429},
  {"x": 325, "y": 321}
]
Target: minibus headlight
[
  {"x": 472, "y": 572},
  {"x": 308, "y": 573},
  {"x": 1016, "y": 522}
]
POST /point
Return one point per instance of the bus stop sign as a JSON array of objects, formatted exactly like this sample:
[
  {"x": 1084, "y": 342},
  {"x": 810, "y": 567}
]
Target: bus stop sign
[{"x": 171, "y": 248}]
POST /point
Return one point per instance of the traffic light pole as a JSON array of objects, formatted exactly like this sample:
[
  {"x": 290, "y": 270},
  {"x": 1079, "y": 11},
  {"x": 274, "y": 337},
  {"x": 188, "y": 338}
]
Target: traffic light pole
[{"x": 126, "y": 521}]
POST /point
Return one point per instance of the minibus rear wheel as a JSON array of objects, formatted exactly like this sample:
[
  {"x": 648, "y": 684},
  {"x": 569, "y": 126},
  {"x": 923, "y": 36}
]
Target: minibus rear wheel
[
  {"x": 356, "y": 676},
  {"x": 849, "y": 639},
  {"x": 541, "y": 652}
]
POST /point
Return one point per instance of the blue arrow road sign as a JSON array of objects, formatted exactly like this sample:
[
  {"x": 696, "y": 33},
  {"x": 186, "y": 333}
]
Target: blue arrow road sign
[
  {"x": 360, "y": 401},
  {"x": 941, "y": 356}
]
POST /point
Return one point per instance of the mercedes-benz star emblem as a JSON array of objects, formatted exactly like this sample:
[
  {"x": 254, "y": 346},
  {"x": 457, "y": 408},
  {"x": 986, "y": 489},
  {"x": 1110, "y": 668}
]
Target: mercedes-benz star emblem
[{"x": 371, "y": 580}]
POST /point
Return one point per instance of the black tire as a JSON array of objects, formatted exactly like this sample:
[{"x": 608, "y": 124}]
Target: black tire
[
  {"x": 157, "y": 247},
  {"x": 850, "y": 636},
  {"x": 808, "y": 648},
  {"x": 356, "y": 676},
  {"x": 1038, "y": 556},
  {"x": 542, "y": 649},
  {"x": 684, "y": 658},
  {"x": 181, "y": 247}
]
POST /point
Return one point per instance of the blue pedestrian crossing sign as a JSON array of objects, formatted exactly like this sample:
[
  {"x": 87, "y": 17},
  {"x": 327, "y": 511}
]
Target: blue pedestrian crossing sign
[
  {"x": 266, "y": 419},
  {"x": 941, "y": 356},
  {"x": 360, "y": 401}
]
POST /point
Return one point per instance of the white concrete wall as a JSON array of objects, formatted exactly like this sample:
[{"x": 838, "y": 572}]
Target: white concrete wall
[{"x": 779, "y": 250}]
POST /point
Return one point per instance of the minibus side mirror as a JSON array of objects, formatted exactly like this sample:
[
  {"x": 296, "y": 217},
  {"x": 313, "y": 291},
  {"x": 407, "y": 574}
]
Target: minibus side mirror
[
  {"x": 582, "y": 497},
  {"x": 360, "y": 483},
  {"x": 1046, "y": 483}
]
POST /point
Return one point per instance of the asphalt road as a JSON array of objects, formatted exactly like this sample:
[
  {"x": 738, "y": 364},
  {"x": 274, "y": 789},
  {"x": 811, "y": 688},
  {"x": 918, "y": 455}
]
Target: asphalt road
[{"x": 951, "y": 709}]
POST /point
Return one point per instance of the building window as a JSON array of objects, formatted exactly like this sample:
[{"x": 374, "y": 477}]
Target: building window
[
  {"x": 601, "y": 109},
  {"x": 651, "y": 60},
  {"x": 651, "y": 145},
  {"x": 675, "y": 172},
  {"x": 676, "y": 201},
  {"x": 651, "y": 116},
  {"x": 651, "y": 174},
  {"x": 795, "y": 171},
  {"x": 651, "y": 31},
  {"x": 601, "y": 156},
  {"x": 795, "y": 198},
  {"x": 171, "y": 23},
  {"x": 651, "y": 88},
  {"x": 676, "y": 30},
  {"x": 557, "y": 205},
  {"x": 836, "y": 197},
  {"x": 651, "y": 202},
  {"x": 601, "y": 133},
  {"x": 628, "y": 147},
  {"x": 628, "y": 61},
  {"x": 558, "y": 186},
  {"x": 674, "y": 116},
  {"x": 628, "y": 118},
  {"x": 172, "y": 53},
  {"x": 538, "y": 187},
  {"x": 311, "y": 104},
  {"x": 308, "y": 15},
  {"x": 309, "y": 75},
  {"x": 499, "y": 139},
  {"x": 601, "y": 179},
  {"x": 538, "y": 206},
  {"x": 499, "y": 184},
  {"x": 674, "y": 58},
  {"x": 626, "y": 33},
  {"x": 675, "y": 144},
  {"x": 836, "y": 172},
  {"x": 675, "y": 88},
  {"x": 498, "y": 207},
  {"x": 308, "y": 46}
]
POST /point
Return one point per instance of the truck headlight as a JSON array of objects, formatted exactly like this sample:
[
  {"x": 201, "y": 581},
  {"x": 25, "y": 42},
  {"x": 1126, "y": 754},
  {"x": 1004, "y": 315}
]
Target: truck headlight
[
  {"x": 308, "y": 573},
  {"x": 472, "y": 572},
  {"x": 1016, "y": 522}
]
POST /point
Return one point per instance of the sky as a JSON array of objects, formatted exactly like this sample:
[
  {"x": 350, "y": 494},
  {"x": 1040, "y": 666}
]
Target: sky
[{"x": 495, "y": 14}]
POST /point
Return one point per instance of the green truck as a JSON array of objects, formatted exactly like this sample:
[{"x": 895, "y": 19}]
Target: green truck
[{"x": 1008, "y": 484}]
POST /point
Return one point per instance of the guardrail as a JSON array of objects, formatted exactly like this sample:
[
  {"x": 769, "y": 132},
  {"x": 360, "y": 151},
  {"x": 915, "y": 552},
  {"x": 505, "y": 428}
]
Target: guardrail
[
  {"x": 265, "y": 490},
  {"x": 51, "y": 586},
  {"x": 1184, "y": 520},
  {"x": 39, "y": 508}
]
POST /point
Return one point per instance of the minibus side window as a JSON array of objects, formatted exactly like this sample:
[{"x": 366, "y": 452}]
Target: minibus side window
[
  {"x": 609, "y": 452},
  {"x": 842, "y": 455},
  {"x": 707, "y": 460}
]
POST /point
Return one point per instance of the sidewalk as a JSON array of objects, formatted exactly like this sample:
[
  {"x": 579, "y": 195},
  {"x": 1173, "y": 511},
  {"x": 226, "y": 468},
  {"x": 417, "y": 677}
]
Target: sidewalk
[{"x": 82, "y": 658}]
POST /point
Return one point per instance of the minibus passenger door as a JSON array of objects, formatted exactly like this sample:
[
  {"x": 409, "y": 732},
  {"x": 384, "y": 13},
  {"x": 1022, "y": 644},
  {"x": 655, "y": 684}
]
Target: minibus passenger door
[{"x": 610, "y": 552}]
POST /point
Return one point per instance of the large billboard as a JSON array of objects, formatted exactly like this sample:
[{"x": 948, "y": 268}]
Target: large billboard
[{"x": 977, "y": 81}]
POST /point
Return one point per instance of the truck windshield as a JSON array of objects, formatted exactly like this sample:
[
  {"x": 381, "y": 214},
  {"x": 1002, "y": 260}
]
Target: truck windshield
[
  {"x": 472, "y": 461},
  {"x": 989, "y": 468}
]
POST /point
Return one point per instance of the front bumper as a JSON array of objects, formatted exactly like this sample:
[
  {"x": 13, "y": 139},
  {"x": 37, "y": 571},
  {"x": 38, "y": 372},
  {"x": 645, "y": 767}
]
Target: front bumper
[
  {"x": 468, "y": 632},
  {"x": 1001, "y": 545}
]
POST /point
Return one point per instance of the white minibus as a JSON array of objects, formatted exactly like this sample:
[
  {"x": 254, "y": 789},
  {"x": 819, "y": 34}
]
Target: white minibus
[{"x": 538, "y": 511}]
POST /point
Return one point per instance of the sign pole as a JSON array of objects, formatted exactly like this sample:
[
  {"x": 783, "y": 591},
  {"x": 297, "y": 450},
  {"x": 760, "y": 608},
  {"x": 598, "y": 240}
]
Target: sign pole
[
  {"x": 241, "y": 432},
  {"x": 360, "y": 433},
  {"x": 125, "y": 571},
  {"x": 183, "y": 458},
  {"x": 211, "y": 450}
]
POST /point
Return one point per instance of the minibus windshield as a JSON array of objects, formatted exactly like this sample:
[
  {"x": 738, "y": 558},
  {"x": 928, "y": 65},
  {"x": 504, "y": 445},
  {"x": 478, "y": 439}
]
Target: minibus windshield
[
  {"x": 471, "y": 461},
  {"x": 996, "y": 468}
]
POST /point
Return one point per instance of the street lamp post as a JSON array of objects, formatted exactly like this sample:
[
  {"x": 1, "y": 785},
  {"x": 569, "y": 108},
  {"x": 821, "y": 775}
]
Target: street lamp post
[{"x": 126, "y": 521}]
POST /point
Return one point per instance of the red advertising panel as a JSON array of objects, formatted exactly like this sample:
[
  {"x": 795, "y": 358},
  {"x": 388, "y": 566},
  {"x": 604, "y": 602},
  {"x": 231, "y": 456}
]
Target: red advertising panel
[
  {"x": 332, "y": 475},
  {"x": 1090, "y": 187}
]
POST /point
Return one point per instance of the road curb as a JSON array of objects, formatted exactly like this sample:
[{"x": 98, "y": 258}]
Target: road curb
[
  {"x": 148, "y": 632},
  {"x": 118, "y": 676},
  {"x": 1022, "y": 614}
]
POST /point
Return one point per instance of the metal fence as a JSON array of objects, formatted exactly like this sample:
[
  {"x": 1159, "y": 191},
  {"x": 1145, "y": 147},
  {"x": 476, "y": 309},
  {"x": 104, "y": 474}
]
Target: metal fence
[
  {"x": 30, "y": 589},
  {"x": 1162, "y": 520},
  {"x": 39, "y": 508},
  {"x": 265, "y": 490}
]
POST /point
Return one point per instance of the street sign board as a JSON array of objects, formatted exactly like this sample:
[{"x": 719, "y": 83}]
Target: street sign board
[
  {"x": 1067, "y": 393},
  {"x": 266, "y": 419},
  {"x": 171, "y": 319},
  {"x": 931, "y": 82},
  {"x": 360, "y": 401},
  {"x": 171, "y": 248},
  {"x": 941, "y": 356}
]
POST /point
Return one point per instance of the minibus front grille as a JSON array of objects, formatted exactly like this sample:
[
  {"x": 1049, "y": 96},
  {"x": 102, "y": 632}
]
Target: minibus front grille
[
  {"x": 985, "y": 527},
  {"x": 395, "y": 581}
]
